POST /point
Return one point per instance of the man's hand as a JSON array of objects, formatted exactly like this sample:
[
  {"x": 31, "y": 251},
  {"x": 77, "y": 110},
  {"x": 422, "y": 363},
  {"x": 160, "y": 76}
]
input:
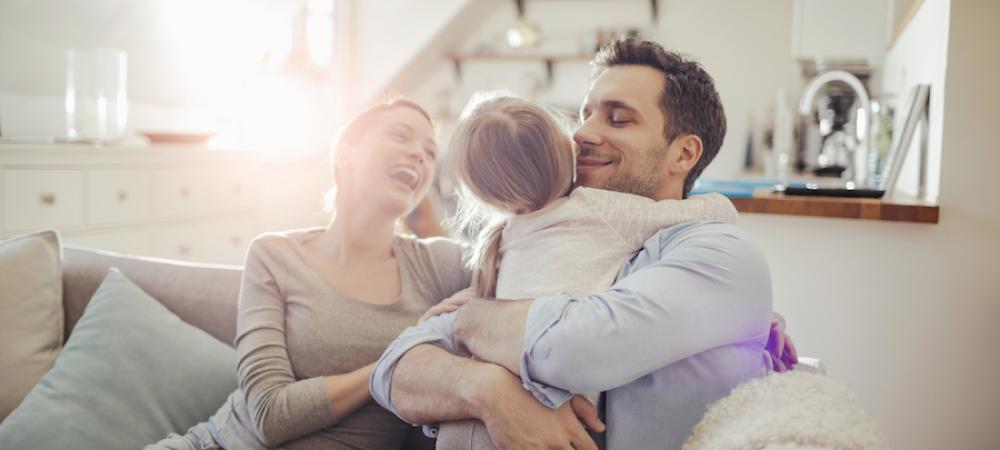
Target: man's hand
[
  {"x": 783, "y": 353},
  {"x": 515, "y": 420},
  {"x": 493, "y": 330}
]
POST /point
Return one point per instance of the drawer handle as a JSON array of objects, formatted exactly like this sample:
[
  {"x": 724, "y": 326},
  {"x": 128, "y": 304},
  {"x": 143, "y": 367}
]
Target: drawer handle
[
  {"x": 122, "y": 196},
  {"x": 235, "y": 240},
  {"x": 185, "y": 192},
  {"x": 183, "y": 250},
  {"x": 47, "y": 198}
]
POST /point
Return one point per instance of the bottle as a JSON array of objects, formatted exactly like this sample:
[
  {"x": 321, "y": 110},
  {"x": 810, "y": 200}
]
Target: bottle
[{"x": 783, "y": 138}]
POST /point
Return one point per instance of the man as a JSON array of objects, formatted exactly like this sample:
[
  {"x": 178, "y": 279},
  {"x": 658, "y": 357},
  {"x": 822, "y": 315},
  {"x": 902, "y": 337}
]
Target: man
[{"x": 684, "y": 323}]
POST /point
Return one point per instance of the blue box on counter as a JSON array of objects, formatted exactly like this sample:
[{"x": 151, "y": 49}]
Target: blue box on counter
[{"x": 736, "y": 188}]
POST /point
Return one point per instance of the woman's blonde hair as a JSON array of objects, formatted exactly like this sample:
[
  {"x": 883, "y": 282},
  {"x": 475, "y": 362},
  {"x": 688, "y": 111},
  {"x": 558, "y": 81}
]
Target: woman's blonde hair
[{"x": 510, "y": 156}]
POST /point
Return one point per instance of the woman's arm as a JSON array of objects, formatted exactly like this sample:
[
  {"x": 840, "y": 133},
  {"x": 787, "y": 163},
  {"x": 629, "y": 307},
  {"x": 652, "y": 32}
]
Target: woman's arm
[
  {"x": 282, "y": 408},
  {"x": 349, "y": 391}
]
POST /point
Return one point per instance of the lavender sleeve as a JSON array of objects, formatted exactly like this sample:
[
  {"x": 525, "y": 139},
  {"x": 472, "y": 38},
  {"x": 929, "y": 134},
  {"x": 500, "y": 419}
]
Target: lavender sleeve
[{"x": 691, "y": 288}]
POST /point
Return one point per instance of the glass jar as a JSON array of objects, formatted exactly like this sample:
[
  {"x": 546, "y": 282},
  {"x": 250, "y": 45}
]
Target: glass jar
[{"x": 96, "y": 102}]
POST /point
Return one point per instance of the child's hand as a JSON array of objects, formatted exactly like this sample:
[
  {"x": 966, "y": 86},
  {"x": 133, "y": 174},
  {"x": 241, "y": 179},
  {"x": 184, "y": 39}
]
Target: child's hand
[{"x": 449, "y": 304}]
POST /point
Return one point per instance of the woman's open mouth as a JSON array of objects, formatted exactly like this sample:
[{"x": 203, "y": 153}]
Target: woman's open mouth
[{"x": 405, "y": 177}]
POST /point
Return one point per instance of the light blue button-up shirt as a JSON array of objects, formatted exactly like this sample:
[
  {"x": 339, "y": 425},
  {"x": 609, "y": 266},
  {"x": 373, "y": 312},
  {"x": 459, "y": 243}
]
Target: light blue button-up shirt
[{"x": 686, "y": 320}]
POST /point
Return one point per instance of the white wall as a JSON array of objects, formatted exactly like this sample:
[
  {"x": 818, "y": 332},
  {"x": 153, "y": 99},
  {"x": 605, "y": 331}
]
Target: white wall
[
  {"x": 388, "y": 34},
  {"x": 920, "y": 56},
  {"x": 745, "y": 45},
  {"x": 906, "y": 313},
  {"x": 184, "y": 56}
]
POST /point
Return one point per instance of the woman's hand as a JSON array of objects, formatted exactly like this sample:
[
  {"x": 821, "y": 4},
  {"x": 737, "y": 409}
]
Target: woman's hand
[{"x": 450, "y": 304}]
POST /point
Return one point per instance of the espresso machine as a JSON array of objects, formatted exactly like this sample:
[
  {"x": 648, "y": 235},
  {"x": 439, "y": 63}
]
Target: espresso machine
[{"x": 834, "y": 136}]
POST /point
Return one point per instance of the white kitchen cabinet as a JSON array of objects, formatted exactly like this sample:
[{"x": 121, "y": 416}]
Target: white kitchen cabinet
[
  {"x": 179, "y": 192},
  {"x": 35, "y": 198},
  {"x": 188, "y": 204},
  {"x": 130, "y": 242},
  {"x": 117, "y": 195},
  {"x": 841, "y": 29}
]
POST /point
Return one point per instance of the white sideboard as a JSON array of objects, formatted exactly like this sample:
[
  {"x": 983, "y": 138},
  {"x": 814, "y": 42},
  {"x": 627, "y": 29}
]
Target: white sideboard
[{"x": 173, "y": 201}]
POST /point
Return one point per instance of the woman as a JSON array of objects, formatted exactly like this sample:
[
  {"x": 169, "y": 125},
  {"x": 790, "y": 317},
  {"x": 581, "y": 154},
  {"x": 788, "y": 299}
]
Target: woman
[{"x": 318, "y": 307}]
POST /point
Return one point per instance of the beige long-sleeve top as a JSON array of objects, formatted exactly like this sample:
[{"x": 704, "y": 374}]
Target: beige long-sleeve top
[{"x": 294, "y": 328}]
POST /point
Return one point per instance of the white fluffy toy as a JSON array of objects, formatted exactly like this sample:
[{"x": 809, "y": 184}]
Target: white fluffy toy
[{"x": 795, "y": 410}]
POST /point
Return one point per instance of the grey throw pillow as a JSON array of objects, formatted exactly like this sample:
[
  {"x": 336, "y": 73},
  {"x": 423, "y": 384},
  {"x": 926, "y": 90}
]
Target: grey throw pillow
[
  {"x": 131, "y": 373},
  {"x": 31, "y": 321}
]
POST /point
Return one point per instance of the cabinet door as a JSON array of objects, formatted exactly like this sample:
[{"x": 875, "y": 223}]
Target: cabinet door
[
  {"x": 842, "y": 29},
  {"x": 231, "y": 239},
  {"x": 181, "y": 192},
  {"x": 117, "y": 195},
  {"x": 42, "y": 198},
  {"x": 185, "y": 243},
  {"x": 233, "y": 190}
]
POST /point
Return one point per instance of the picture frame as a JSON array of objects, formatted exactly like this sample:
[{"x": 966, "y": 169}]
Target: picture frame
[{"x": 917, "y": 109}]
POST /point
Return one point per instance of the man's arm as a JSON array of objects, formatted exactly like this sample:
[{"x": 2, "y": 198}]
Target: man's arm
[
  {"x": 431, "y": 385},
  {"x": 697, "y": 286},
  {"x": 424, "y": 383},
  {"x": 432, "y": 342}
]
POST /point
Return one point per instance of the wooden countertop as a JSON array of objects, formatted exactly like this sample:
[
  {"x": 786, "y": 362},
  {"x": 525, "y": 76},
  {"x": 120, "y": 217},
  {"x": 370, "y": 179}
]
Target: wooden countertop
[{"x": 897, "y": 209}]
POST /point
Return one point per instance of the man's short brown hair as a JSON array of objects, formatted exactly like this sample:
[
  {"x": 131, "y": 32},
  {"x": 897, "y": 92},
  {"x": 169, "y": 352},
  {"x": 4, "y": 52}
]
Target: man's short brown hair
[{"x": 689, "y": 101}]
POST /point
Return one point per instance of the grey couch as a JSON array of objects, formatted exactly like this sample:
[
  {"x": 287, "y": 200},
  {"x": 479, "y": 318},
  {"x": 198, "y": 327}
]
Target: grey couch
[{"x": 204, "y": 295}]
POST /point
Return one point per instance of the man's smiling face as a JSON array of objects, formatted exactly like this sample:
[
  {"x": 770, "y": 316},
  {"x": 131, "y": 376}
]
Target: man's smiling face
[{"x": 621, "y": 135}]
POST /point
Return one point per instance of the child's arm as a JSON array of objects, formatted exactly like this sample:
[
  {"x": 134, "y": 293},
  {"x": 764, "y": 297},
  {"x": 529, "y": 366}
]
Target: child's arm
[{"x": 636, "y": 218}]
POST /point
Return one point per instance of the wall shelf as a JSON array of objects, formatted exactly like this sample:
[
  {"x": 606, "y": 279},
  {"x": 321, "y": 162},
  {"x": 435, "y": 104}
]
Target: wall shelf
[
  {"x": 549, "y": 59},
  {"x": 897, "y": 209}
]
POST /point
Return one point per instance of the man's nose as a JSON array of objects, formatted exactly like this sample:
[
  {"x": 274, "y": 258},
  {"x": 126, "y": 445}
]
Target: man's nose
[{"x": 587, "y": 134}]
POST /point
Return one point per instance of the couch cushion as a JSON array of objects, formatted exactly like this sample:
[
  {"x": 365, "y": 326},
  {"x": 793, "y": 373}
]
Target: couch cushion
[
  {"x": 204, "y": 295},
  {"x": 31, "y": 325},
  {"x": 131, "y": 373}
]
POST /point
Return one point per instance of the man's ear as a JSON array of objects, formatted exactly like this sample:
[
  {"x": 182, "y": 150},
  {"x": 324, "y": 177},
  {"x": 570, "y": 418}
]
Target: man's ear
[{"x": 687, "y": 150}]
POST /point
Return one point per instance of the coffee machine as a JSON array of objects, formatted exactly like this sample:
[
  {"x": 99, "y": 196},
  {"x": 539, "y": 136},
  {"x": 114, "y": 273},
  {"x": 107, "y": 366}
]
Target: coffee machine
[{"x": 834, "y": 137}]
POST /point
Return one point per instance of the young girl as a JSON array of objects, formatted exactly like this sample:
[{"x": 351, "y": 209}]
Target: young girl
[{"x": 515, "y": 165}]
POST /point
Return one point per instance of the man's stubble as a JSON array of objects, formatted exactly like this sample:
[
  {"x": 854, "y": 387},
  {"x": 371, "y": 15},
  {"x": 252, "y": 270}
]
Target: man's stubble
[{"x": 641, "y": 177}]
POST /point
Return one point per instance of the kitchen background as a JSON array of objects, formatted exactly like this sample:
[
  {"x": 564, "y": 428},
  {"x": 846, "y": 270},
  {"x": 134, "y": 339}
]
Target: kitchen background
[{"x": 903, "y": 312}]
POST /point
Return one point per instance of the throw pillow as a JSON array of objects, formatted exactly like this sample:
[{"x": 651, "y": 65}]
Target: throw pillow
[
  {"x": 131, "y": 373},
  {"x": 31, "y": 325}
]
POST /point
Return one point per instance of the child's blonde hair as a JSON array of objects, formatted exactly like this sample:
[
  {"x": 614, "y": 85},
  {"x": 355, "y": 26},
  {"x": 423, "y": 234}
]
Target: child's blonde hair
[{"x": 509, "y": 156}]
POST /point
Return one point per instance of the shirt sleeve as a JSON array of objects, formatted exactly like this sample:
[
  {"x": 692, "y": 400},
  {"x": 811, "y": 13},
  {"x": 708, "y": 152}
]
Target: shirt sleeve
[
  {"x": 281, "y": 407},
  {"x": 694, "y": 287},
  {"x": 435, "y": 330}
]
